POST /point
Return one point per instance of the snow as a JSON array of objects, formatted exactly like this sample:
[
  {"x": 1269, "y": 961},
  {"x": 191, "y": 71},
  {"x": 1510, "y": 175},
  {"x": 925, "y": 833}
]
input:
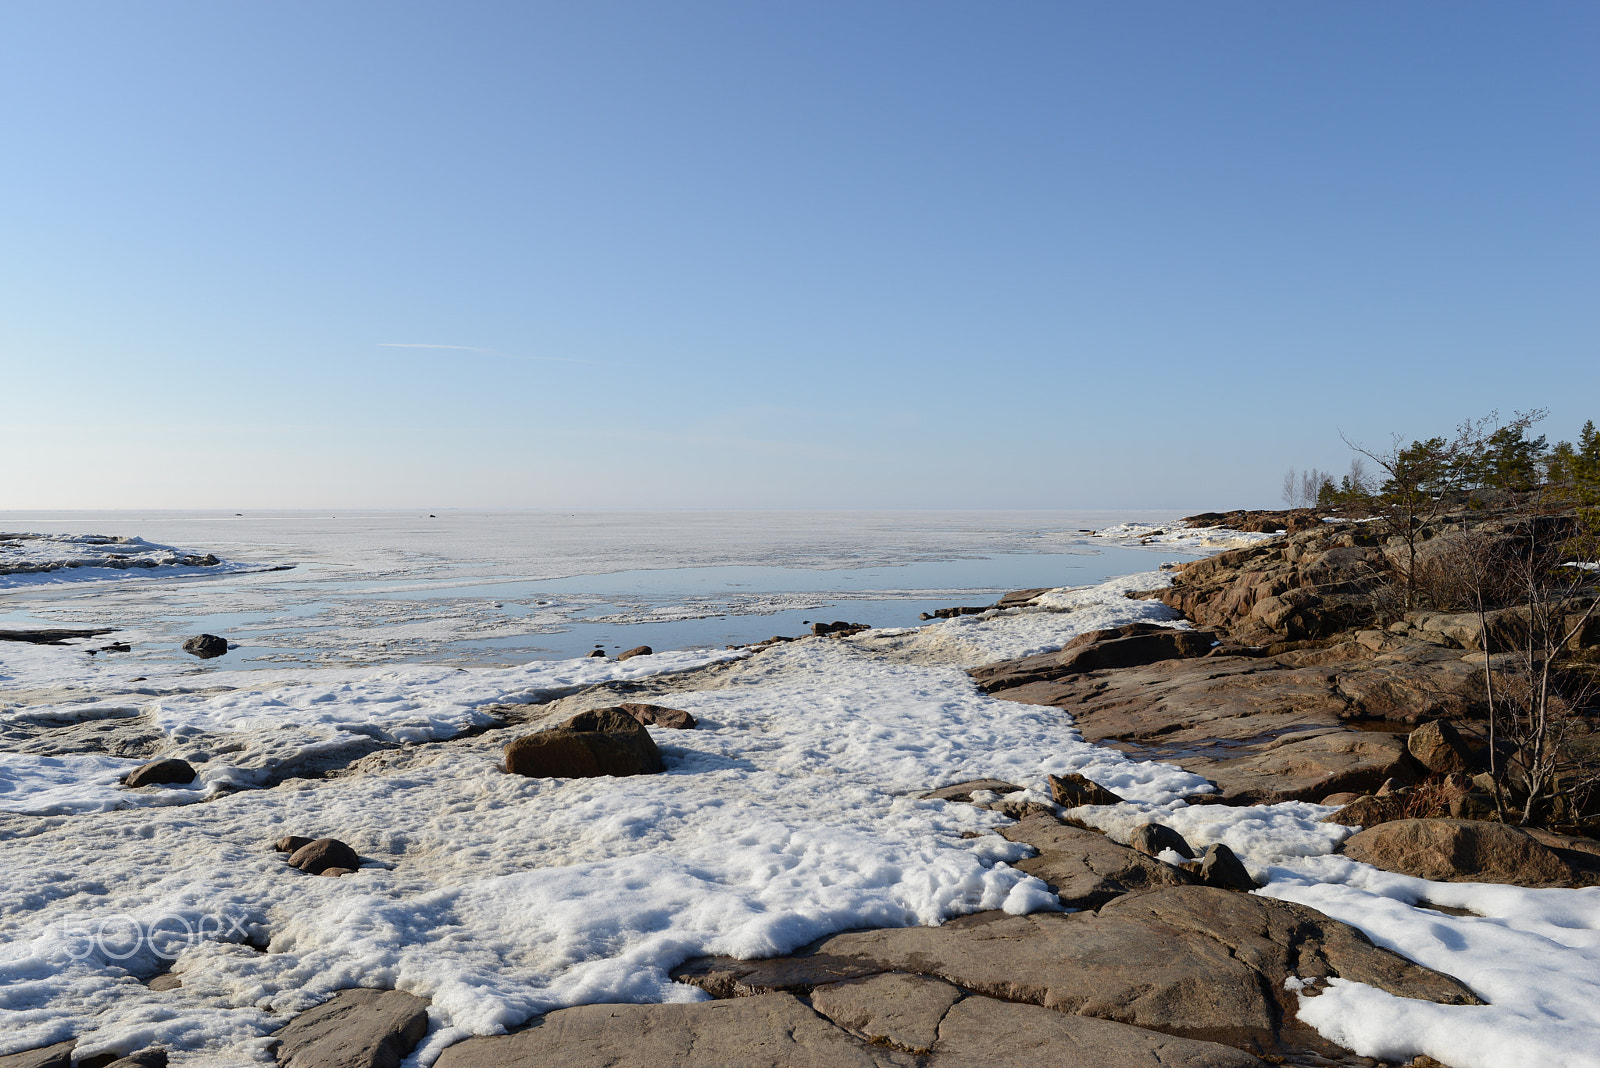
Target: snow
[
  {"x": 52, "y": 785},
  {"x": 1179, "y": 537}
]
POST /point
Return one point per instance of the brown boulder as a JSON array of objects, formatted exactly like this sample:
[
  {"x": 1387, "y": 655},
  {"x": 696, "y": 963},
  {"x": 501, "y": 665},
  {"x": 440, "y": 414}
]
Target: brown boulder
[
  {"x": 1152, "y": 839},
  {"x": 161, "y": 772},
  {"x": 290, "y": 843},
  {"x": 316, "y": 857},
  {"x": 1439, "y": 747},
  {"x": 602, "y": 741},
  {"x": 358, "y": 1028},
  {"x": 637, "y": 650},
  {"x": 1072, "y": 790},
  {"x": 1455, "y": 851},
  {"x": 1368, "y": 811}
]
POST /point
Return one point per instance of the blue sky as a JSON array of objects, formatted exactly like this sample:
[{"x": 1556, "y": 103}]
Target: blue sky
[{"x": 808, "y": 255}]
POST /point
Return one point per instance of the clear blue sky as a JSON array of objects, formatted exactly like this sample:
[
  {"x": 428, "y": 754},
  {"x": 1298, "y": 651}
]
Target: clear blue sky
[{"x": 802, "y": 254}]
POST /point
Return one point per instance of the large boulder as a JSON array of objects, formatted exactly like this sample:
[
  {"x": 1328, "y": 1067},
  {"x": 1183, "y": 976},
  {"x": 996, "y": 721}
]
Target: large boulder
[
  {"x": 1454, "y": 850},
  {"x": 357, "y": 1028},
  {"x": 659, "y": 715},
  {"x": 602, "y": 741}
]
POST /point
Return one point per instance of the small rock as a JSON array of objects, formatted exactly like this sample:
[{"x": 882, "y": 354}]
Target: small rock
[
  {"x": 1439, "y": 747},
  {"x": 206, "y": 646},
  {"x": 1220, "y": 868},
  {"x": 1473, "y": 805},
  {"x": 322, "y": 854},
  {"x": 1340, "y": 800},
  {"x": 1389, "y": 788},
  {"x": 1152, "y": 838},
  {"x": 596, "y": 652},
  {"x": 161, "y": 772},
  {"x": 838, "y": 628},
  {"x": 658, "y": 715},
  {"x": 1021, "y": 810},
  {"x": 637, "y": 650},
  {"x": 292, "y": 843},
  {"x": 1072, "y": 790},
  {"x": 336, "y": 872},
  {"x": 165, "y": 981}
]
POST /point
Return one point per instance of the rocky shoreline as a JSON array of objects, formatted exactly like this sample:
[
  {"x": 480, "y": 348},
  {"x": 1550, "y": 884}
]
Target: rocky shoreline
[{"x": 1287, "y": 688}]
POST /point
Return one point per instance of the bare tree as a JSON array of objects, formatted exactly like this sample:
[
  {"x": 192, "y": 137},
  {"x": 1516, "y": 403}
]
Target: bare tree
[
  {"x": 1549, "y": 576},
  {"x": 1291, "y": 486}
]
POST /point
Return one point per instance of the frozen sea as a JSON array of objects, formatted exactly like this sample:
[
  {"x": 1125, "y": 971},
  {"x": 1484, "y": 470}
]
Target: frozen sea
[{"x": 791, "y": 812}]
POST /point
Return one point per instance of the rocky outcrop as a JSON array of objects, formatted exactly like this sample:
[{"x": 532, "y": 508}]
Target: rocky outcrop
[
  {"x": 1454, "y": 850},
  {"x": 1190, "y": 961},
  {"x": 357, "y": 1028},
  {"x": 161, "y": 773},
  {"x": 605, "y": 741}
]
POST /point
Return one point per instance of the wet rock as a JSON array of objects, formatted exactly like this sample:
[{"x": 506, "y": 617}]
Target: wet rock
[
  {"x": 775, "y": 1031},
  {"x": 1072, "y": 790},
  {"x": 322, "y": 854},
  {"x": 161, "y": 772},
  {"x": 896, "y": 1009},
  {"x": 206, "y": 646},
  {"x": 1084, "y": 868},
  {"x": 292, "y": 842},
  {"x": 637, "y": 650},
  {"x": 1439, "y": 747},
  {"x": 1191, "y": 961},
  {"x": 56, "y": 1056},
  {"x": 357, "y": 1028},
  {"x": 963, "y": 791},
  {"x": 1152, "y": 838},
  {"x": 601, "y": 653},
  {"x": 606, "y": 741},
  {"x": 1456, "y": 850},
  {"x": 659, "y": 715}
]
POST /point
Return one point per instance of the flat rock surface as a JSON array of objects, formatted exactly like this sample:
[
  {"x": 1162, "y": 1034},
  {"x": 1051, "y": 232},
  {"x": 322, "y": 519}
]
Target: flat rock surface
[
  {"x": 781, "y": 1031},
  {"x": 1191, "y": 961},
  {"x": 56, "y": 1056},
  {"x": 774, "y": 1031},
  {"x": 901, "y": 1010},
  {"x": 1264, "y": 729},
  {"x": 1084, "y": 868}
]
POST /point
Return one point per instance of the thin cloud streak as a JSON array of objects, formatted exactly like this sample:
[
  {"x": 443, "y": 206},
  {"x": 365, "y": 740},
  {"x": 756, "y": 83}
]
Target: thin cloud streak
[{"x": 493, "y": 352}]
